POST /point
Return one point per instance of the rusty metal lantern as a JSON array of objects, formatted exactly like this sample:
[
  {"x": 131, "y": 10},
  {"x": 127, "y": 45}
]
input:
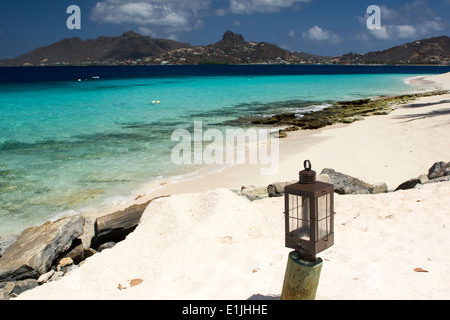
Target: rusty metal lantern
[{"x": 309, "y": 214}]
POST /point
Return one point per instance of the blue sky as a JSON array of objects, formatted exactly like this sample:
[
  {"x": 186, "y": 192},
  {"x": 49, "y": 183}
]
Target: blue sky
[{"x": 315, "y": 26}]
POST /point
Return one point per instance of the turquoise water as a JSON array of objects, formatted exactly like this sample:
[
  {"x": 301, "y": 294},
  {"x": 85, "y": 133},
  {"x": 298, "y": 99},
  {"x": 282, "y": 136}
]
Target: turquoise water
[{"x": 77, "y": 146}]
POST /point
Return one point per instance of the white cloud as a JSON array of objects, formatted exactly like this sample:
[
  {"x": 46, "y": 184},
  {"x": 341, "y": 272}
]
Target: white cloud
[
  {"x": 413, "y": 20},
  {"x": 164, "y": 17},
  {"x": 406, "y": 31},
  {"x": 318, "y": 34},
  {"x": 394, "y": 32},
  {"x": 381, "y": 34},
  {"x": 264, "y": 6},
  {"x": 167, "y": 15},
  {"x": 291, "y": 33}
]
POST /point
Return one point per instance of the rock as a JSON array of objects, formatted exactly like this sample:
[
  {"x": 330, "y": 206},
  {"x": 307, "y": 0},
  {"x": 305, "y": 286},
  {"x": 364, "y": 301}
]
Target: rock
[
  {"x": 6, "y": 241},
  {"x": 107, "y": 245},
  {"x": 423, "y": 178},
  {"x": 248, "y": 189},
  {"x": 89, "y": 253},
  {"x": 439, "y": 169},
  {"x": 380, "y": 187},
  {"x": 88, "y": 233},
  {"x": 71, "y": 268},
  {"x": 345, "y": 184},
  {"x": 410, "y": 184},
  {"x": 323, "y": 178},
  {"x": 57, "y": 276},
  {"x": 65, "y": 262},
  {"x": 6, "y": 290},
  {"x": 277, "y": 189},
  {"x": 292, "y": 128},
  {"x": 38, "y": 247},
  {"x": 282, "y": 134},
  {"x": 76, "y": 254},
  {"x": 116, "y": 226},
  {"x": 45, "y": 277},
  {"x": 231, "y": 39},
  {"x": 24, "y": 285},
  {"x": 253, "y": 193}
]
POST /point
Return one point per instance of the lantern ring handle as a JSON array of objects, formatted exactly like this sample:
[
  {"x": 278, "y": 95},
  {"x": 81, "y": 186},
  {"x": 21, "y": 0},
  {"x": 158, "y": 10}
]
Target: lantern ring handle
[{"x": 307, "y": 165}]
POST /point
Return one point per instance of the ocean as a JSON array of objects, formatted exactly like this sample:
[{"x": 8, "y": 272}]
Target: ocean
[{"x": 80, "y": 139}]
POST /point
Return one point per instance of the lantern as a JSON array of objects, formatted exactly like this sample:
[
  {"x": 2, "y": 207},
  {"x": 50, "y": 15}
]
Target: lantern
[{"x": 309, "y": 214}]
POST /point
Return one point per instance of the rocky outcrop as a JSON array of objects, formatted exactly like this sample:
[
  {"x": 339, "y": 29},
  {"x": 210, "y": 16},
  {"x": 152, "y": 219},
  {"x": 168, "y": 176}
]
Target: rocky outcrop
[
  {"x": 45, "y": 253},
  {"x": 230, "y": 39},
  {"x": 37, "y": 247},
  {"x": 116, "y": 226},
  {"x": 10, "y": 289},
  {"x": 345, "y": 112}
]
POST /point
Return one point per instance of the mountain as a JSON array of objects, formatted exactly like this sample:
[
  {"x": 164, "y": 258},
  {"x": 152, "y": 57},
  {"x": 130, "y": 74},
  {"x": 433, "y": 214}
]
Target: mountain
[
  {"x": 427, "y": 51},
  {"x": 133, "y": 48},
  {"x": 233, "y": 49},
  {"x": 129, "y": 45}
]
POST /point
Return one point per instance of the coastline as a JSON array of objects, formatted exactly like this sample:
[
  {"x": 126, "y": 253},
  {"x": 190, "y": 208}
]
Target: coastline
[
  {"x": 310, "y": 142},
  {"x": 389, "y": 148}
]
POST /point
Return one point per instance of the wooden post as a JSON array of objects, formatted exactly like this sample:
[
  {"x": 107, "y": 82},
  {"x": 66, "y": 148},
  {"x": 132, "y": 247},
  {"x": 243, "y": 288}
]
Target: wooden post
[{"x": 301, "y": 278}]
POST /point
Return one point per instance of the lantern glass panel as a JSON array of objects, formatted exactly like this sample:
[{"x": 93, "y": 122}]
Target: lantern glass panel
[
  {"x": 324, "y": 216},
  {"x": 299, "y": 217}
]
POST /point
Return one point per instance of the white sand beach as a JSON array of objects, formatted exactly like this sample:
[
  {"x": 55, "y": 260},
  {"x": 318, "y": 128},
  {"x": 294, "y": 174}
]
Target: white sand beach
[{"x": 206, "y": 242}]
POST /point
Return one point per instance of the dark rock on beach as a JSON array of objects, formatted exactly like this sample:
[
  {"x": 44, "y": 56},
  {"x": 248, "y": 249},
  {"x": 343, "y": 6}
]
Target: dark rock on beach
[
  {"x": 116, "y": 226},
  {"x": 439, "y": 172},
  {"x": 37, "y": 247},
  {"x": 410, "y": 184},
  {"x": 439, "y": 169}
]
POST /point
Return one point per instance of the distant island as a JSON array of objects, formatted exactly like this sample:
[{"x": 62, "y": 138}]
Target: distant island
[{"x": 132, "y": 48}]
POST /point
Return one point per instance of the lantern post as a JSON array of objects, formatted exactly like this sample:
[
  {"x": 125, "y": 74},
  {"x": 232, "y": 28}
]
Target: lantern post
[{"x": 309, "y": 230}]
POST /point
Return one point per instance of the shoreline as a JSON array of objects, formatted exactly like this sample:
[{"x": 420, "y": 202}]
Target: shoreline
[
  {"x": 205, "y": 177},
  {"x": 236, "y": 176}
]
